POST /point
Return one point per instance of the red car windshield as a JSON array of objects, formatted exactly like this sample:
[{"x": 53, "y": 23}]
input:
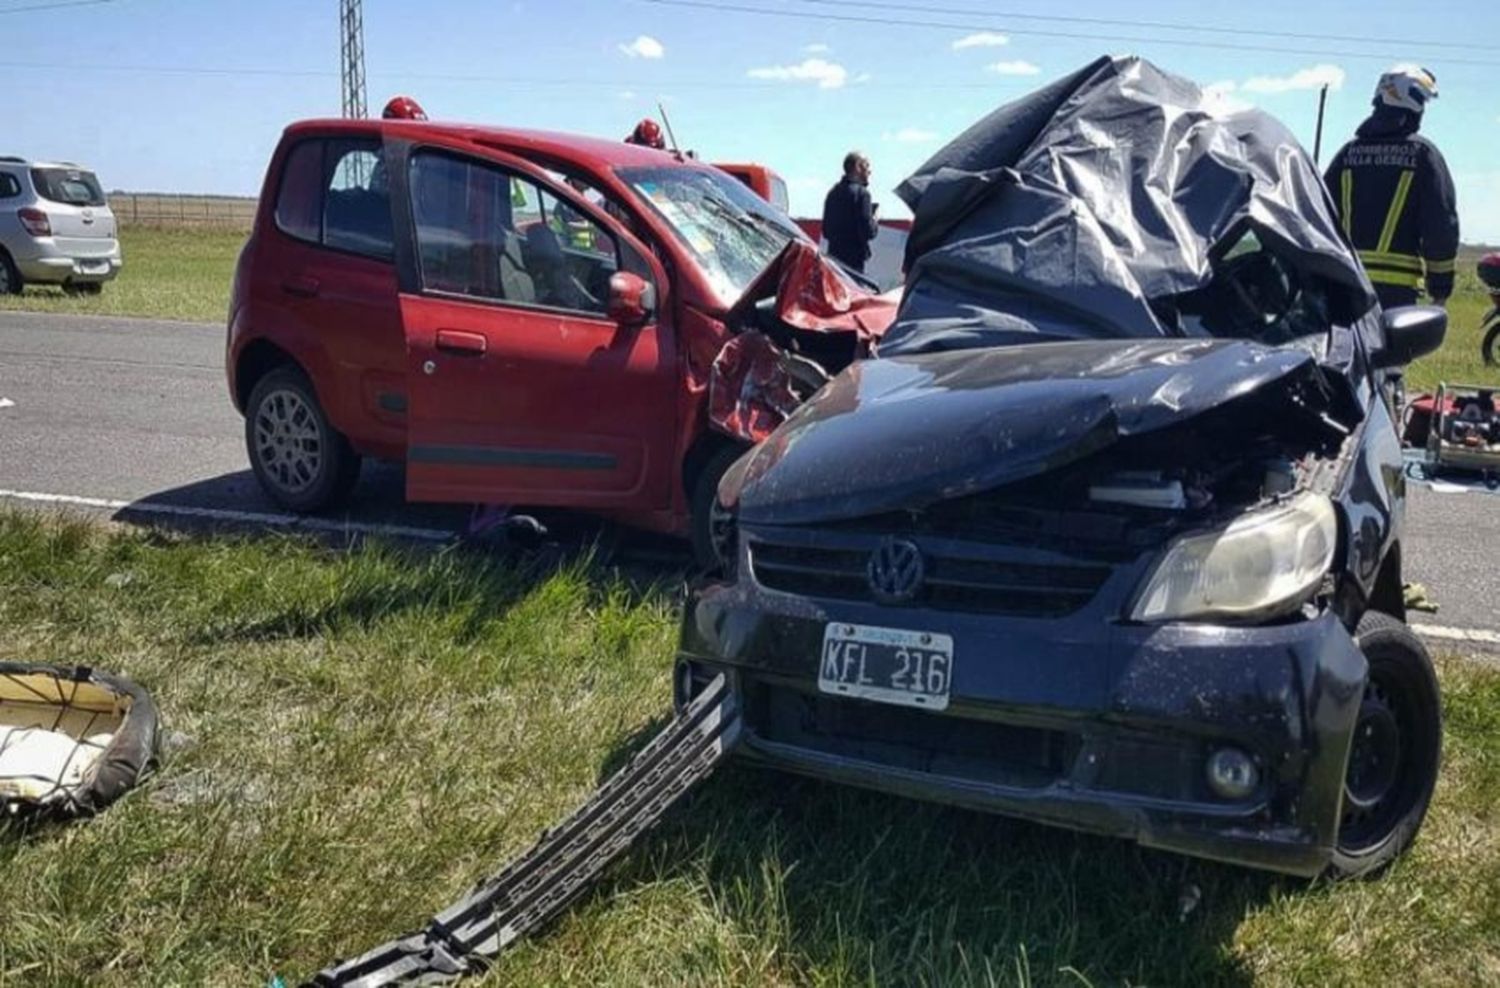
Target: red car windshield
[{"x": 731, "y": 232}]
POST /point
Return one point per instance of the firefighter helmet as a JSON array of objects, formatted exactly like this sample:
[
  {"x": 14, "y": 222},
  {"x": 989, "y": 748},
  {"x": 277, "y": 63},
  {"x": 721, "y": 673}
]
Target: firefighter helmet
[
  {"x": 647, "y": 133},
  {"x": 1406, "y": 87},
  {"x": 403, "y": 108}
]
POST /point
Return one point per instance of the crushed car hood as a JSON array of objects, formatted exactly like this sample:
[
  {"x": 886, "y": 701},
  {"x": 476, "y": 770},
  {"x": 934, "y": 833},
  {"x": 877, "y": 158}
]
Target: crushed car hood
[
  {"x": 1070, "y": 213},
  {"x": 905, "y": 432}
]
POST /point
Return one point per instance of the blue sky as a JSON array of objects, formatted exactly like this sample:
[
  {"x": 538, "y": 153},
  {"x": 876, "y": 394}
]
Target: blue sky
[{"x": 174, "y": 95}]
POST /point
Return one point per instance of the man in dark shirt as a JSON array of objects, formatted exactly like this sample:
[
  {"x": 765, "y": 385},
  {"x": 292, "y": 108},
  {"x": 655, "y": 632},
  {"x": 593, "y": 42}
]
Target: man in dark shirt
[{"x": 849, "y": 215}]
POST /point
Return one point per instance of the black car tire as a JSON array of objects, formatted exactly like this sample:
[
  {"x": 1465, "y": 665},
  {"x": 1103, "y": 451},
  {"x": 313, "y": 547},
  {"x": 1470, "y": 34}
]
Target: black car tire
[
  {"x": 709, "y": 533},
  {"x": 304, "y": 474},
  {"x": 1490, "y": 348},
  {"x": 10, "y": 279},
  {"x": 1381, "y": 816}
]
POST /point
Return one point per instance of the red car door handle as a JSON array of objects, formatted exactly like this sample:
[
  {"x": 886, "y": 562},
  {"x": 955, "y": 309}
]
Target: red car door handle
[
  {"x": 301, "y": 286},
  {"x": 457, "y": 341}
]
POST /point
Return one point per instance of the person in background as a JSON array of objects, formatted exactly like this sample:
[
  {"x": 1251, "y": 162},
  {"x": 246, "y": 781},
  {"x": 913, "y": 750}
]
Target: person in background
[
  {"x": 1394, "y": 195},
  {"x": 849, "y": 215}
]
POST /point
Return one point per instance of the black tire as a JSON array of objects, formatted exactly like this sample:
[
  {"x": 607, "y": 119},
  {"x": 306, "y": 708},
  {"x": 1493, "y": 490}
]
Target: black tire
[
  {"x": 1490, "y": 348},
  {"x": 90, "y": 288},
  {"x": 302, "y": 462},
  {"x": 1395, "y": 753},
  {"x": 11, "y": 282},
  {"x": 713, "y": 535}
]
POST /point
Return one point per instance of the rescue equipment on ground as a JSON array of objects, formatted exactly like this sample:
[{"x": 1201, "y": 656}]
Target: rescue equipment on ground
[
  {"x": 72, "y": 740},
  {"x": 1459, "y": 426}
]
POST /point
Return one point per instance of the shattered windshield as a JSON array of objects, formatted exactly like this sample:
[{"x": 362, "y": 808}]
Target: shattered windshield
[
  {"x": 1255, "y": 294},
  {"x": 730, "y": 231}
]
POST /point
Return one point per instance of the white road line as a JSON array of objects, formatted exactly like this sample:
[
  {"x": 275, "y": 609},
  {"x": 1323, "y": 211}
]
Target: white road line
[
  {"x": 239, "y": 517},
  {"x": 7, "y": 403},
  {"x": 1469, "y": 636}
]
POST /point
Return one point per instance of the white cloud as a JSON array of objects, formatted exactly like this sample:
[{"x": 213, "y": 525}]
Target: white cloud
[
  {"x": 862, "y": 78},
  {"x": 981, "y": 39},
  {"x": 1014, "y": 68},
  {"x": 1221, "y": 97},
  {"x": 816, "y": 49},
  {"x": 828, "y": 75},
  {"x": 627, "y": 94},
  {"x": 1312, "y": 78},
  {"x": 909, "y": 135},
  {"x": 644, "y": 46}
]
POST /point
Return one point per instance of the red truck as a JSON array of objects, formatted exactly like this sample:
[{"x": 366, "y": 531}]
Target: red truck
[{"x": 522, "y": 318}]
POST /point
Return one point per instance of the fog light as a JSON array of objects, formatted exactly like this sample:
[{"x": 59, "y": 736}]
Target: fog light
[{"x": 1232, "y": 774}]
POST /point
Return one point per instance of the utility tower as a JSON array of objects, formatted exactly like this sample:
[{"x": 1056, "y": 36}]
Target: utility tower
[{"x": 352, "y": 57}]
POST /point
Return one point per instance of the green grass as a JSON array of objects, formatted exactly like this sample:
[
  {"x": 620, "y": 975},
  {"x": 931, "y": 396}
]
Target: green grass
[
  {"x": 358, "y": 736},
  {"x": 1459, "y": 360},
  {"x": 168, "y": 274}
]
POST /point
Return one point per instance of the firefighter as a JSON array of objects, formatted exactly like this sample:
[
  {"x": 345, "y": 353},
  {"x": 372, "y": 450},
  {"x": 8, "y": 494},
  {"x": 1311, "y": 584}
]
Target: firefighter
[
  {"x": 1394, "y": 195},
  {"x": 647, "y": 133}
]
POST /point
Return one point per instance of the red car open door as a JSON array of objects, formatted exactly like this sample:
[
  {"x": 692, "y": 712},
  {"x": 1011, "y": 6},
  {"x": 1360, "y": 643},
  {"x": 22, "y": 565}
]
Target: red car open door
[{"x": 522, "y": 389}]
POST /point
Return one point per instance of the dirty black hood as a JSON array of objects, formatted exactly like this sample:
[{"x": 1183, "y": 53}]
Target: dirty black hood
[
  {"x": 1072, "y": 212},
  {"x": 906, "y": 432}
]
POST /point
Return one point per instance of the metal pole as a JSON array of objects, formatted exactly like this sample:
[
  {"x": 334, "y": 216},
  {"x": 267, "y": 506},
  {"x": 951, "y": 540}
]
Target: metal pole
[{"x": 1318, "y": 138}]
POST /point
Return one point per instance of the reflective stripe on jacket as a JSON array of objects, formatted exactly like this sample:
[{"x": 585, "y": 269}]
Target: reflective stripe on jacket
[{"x": 1395, "y": 200}]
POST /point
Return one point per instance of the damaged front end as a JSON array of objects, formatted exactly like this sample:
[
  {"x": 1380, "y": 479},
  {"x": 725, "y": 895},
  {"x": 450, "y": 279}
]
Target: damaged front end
[
  {"x": 1122, "y": 554},
  {"x": 802, "y": 321}
]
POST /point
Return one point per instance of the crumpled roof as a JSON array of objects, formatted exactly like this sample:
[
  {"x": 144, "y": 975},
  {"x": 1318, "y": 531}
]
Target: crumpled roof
[{"x": 1065, "y": 212}]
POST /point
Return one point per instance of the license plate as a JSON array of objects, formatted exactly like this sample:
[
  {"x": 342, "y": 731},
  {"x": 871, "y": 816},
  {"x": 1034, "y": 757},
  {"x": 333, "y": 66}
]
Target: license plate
[{"x": 891, "y": 665}]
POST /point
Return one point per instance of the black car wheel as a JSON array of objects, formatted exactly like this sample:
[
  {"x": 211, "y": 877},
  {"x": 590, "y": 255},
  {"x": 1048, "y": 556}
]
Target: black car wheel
[
  {"x": 1394, "y": 755},
  {"x": 10, "y": 278},
  {"x": 713, "y": 529},
  {"x": 300, "y": 459}
]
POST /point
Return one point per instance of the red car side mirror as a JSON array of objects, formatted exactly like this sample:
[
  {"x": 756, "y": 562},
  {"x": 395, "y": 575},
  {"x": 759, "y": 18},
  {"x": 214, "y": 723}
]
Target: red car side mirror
[{"x": 632, "y": 299}]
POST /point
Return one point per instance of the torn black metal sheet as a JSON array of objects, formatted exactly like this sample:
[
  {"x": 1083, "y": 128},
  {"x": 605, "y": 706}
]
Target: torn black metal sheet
[
  {"x": 469, "y": 935},
  {"x": 902, "y": 433},
  {"x": 1069, "y": 212}
]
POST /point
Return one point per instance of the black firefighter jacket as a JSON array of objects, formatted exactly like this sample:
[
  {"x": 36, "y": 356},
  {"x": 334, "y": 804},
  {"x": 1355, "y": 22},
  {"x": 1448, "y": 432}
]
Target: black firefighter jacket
[{"x": 1396, "y": 202}]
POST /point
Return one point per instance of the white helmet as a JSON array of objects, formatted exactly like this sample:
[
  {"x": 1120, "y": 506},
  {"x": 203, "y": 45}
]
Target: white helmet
[{"x": 1406, "y": 87}]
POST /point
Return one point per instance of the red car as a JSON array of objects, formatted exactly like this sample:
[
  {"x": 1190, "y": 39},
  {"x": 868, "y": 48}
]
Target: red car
[{"x": 522, "y": 318}]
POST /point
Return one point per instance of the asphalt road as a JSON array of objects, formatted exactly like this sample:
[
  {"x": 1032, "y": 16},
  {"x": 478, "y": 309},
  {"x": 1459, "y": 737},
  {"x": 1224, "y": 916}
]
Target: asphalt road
[{"x": 131, "y": 417}]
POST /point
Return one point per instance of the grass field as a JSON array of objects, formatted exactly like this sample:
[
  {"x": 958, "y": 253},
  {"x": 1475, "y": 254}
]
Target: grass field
[
  {"x": 355, "y": 737},
  {"x": 168, "y": 274}
]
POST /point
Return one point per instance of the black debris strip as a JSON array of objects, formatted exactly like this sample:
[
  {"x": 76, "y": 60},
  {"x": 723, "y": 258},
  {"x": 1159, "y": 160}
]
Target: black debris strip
[{"x": 468, "y": 936}]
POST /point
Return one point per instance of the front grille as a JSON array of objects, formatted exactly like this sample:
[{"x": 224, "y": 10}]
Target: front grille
[
  {"x": 953, "y": 583},
  {"x": 917, "y": 740}
]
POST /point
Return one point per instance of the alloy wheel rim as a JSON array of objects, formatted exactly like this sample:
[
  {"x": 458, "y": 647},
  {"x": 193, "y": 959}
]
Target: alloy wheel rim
[{"x": 288, "y": 441}]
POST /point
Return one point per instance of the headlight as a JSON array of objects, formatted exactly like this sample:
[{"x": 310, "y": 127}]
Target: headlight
[{"x": 1257, "y": 566}]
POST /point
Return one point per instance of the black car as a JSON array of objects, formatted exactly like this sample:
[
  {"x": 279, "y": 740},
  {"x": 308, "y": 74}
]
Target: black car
[{"x": 1109, "y": 535}]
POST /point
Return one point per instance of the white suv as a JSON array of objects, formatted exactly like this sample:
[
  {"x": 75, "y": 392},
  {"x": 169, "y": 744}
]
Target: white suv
[{"x": 55, "y": 227}]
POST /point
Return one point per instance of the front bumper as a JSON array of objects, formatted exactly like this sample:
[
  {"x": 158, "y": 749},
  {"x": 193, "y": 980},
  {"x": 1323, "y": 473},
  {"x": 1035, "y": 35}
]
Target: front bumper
[
  {"x": 47, "y": 263},
  {"x": 1079, "y": 721}
]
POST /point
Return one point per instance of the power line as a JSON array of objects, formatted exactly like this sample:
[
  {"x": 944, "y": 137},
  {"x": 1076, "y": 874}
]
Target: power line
[
  {"x": 1162, "y": 25},
  {"x": 1034, "y": 32},
  {"x": 54, "y": 5}
]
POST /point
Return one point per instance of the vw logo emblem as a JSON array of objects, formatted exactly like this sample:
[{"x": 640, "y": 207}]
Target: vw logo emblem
[{"x": 896, "y": 571}]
